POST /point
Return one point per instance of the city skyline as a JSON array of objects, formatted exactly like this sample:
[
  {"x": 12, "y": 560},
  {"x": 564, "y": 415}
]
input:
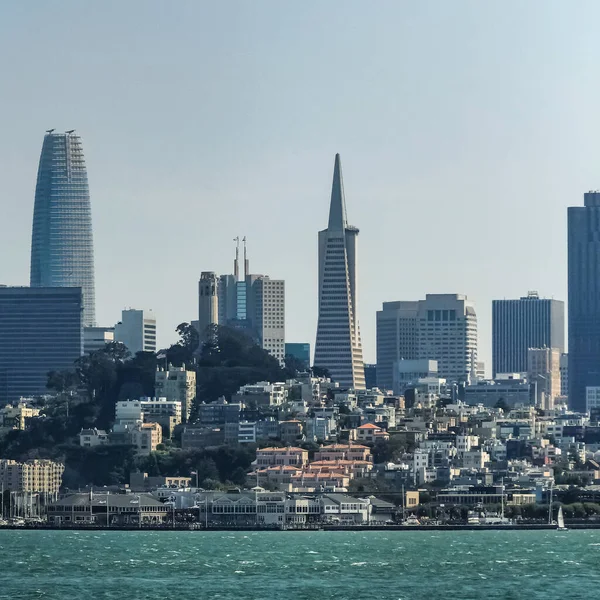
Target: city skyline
[{"x": 174, "y": 176}]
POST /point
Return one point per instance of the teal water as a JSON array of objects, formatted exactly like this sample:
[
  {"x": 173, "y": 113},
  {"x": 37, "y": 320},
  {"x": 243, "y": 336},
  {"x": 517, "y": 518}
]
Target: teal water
[{"x": 395, "y": 565}]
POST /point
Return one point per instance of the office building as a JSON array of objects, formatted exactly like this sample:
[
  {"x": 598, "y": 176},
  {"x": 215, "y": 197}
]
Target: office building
[
  {"x": 299, "y": 351},
  {"x": 62, "y": 246},
  {"x": 397, "y": 338},
  {"x": 543, "y": 368},
  {"x": 338, "y": 347},
  {"x": 508, "y": 388},
  {"x": 40, "y": 331},
  {"x": 96, "y": 338},
  {"x": 252, "y": 303},
  {"x": 584, "y": 298},
  {"x": 517, "y": 325},
  {"x": 208, "y": 303},
  {"x": 176, "y": 383},
  {"x": 137, "y": 330},
  {"x": 447, "y": 333},
  {"x": 407, "y": 373},
  {"x": 564, "y": 374}
]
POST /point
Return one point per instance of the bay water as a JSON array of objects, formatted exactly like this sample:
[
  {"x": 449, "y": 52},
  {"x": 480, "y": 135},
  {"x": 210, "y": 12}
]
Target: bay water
[{"x": 386, "y": 565}]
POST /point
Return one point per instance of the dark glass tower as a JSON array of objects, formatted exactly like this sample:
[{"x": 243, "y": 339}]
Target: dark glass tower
[
  {"x": 584, "y": 298},
  {"x": 62, "y": 246}
]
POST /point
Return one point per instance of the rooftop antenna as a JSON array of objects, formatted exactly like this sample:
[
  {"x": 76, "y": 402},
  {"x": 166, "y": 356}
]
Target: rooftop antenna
[
  {"x": 236, "y": 271},
  {"x": 246, "y": 263},
  {"x": 70, "y": 131},
  {"x": 49, "y": 130}
]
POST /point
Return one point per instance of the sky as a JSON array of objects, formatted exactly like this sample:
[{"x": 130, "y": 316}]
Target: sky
[{"x": 465, "y": 130}]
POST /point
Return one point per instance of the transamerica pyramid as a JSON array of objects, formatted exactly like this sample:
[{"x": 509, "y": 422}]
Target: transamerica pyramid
[{"x": 338, "y": 347}]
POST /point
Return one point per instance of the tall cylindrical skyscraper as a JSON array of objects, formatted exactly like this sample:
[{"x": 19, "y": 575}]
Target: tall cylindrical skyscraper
[{"x": 62, "y": 245}]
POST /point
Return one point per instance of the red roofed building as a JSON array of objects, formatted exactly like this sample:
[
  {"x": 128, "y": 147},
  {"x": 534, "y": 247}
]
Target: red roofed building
[{"x": 370, "y": 433}]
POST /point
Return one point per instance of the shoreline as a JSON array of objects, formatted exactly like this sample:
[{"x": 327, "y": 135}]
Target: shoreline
[{"x": 191, "y": 528}]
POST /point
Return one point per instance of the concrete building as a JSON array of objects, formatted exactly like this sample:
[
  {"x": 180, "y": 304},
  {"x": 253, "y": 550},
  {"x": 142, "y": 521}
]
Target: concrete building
[
  {"x": 177, "y": 384},
  {"x": 96, "y": 338},
  {"x": 208, "y": 303},
  {"x": 397, "y": 339},
  {"x": 90, "y": 438},
  {"x": 447, "y": 326},
  {"x": 517, "y": 325},
  {"x": 543, "y": 368},
  {"x": 35, "y": 476},
  {"x": 407, "y": 373},
  {"x": 146, "y": 437},
  {"x": 509, "y": 388},
  {"x": 40, "y": 331},
  {"x": 137, "y": 330},
  {"x": 166, "y": 413},
  {"x": 262, "y": 394},
  {"x": 266, "y": 310},
  {"x": 219, "y": 412},
  {"x": 290, "y": 456},
  {"x": 338, "y": 347},
  {"x": 584, "y": 299}
]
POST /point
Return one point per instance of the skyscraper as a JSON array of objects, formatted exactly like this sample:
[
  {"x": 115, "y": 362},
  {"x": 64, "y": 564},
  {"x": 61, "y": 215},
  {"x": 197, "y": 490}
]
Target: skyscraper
[
  {"x": 62, "y": 247},
  {"x": 338, "y": 347},
  {"x": 584, "y": 298},
  {"x": 40, "y": 331},
  {"x": 137, "y": 330},
  {"x": 517, "y": 325}
]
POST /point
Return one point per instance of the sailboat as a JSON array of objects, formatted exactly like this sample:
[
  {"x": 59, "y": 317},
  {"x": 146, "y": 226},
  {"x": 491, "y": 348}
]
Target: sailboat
[{"x": 560, "y": 520}]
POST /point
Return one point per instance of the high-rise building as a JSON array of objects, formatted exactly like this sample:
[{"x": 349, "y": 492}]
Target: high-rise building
[
  {"x": 300, "y": 351},
  {"x": 564, "y": 374},
  {"x": 447, "y": 330},
  {"x": 517, "y": 325},
  {"x": 137, "y": 330},
  {"x": 338, "y": 347},
  {"x": 543, "y": 369},
  {"x": 254, "y": 304},
  {"x": 584, "y": 298},
  {"x": 208, "y": 302},
  {"x": 40, "y": 331},
  {"x": 177, "y": 384},
  {"x": 397, "y": 338},
  {"x": 62, "y": 247},
  {"x": 96, "y": 338}
]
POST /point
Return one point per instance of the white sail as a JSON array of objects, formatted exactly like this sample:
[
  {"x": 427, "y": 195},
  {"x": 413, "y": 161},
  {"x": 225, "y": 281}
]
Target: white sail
[{"x": 560, "y": 519}]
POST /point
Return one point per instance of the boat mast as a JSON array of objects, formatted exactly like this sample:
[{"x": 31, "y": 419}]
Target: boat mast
[{"x": 550, "y": 504}]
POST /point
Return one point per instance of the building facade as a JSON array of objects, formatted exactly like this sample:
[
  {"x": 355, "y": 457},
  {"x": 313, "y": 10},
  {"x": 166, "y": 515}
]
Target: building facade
[
  {"x": 397, "y": 338},
  {"x": 517, "y": 325},
  {"x": 34, "y": 476},
  {"x": 40, "y": 331},
  {"x": 96, "y": 338},
  {"x": 299, "y": 351},
  {"x": 338, "y": 347},
  {"x": 62, "y": 245},
  {"x": 447, "y": 327},
  {"x": 543, "y": 368},
  {"x": 584, "y": 298},
  {"x": 178, "y": 384},
  {"x": 137, "y": 330},
  {"x": 208, "y": 303}
]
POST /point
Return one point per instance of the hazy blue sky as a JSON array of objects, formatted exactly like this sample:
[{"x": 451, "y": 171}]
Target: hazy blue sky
[{"x": 465, "y": 129}]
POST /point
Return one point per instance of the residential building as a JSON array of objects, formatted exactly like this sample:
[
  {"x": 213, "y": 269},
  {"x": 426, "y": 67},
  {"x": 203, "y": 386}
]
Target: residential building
[
  {"x": 90, "y": 438},
  {"x": 407, "y": 373},
  {"x": 517, "y": 325},
  {"x": 96, "y": 338},
  {"x": 338, "y": 347},
  {"x": 136, "y": 330},
  {"x": 62, "y": 245},
  {"x": 348, "y": 451},
  {"x": 219, "y": 412},
  {"x": 17, "y": 415},
  {"x": 38, "y": 475},
  {"x": 177, "y": 384},
  {"x": 290, "y": 456},
  {"x": 262, "y": 394},
  {"x": 543, "y": 368},
  {"x": 290, "y": 431},
  {"x": 397, "y": 339},
  {"x": 40, "y": 331},
  {"x": 369, "y": 433},
  {"x": 266, "y": 310},
  {"x": 320, "y": 429},
  {"x": 146, "y": 437},
  {"x": 299, "y": 351},
  {"x": 166, "y": 413},
  {"x": 208, "y": 303},
  {"x": 195, "y": 437}
]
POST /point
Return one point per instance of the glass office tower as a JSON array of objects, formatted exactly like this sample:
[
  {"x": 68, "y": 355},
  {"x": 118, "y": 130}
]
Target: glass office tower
[
  {"x": 40, "y": 331},
  {"x": 62, "y": 247}
]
